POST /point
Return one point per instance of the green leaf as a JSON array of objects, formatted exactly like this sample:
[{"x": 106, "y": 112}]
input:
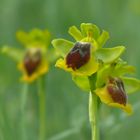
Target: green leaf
[
  {"x": 90, "y": 29},
  {"x": 131, "y": 84},
  {"x": 75, "y": 33},
  {"x": 62, "y": 46},
  {"x": 109, "y": 55},
  {"x": 82, "y": 82},
  {"x": 103, "y": 38},
  {"x": 13, "y": 53}
]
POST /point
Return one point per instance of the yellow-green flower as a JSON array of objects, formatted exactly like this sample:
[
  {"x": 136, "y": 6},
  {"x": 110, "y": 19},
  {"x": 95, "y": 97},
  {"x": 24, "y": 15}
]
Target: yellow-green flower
[
  {"x": 33, "y": 61},
  {"x": 112, "y": 86},
  {"x": 79, "y": 60},
  {"x": 82, "y": 56},
  {"x": 114, "y": 94},
  {"x": 33, "y": 65}
]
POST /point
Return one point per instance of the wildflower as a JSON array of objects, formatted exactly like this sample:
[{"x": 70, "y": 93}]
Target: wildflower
[
  {"x": 100, "y": 71},
  {"x": 112, "y": 86},
  {"x": 82, "y": 56},
  {"x": 33, "y": 64},
  {"x": 79, "y": 60},
  {"x": 32, "y": 61},
  {"x": 114, "y": 94},
  {"x": 85, "y": 57}
]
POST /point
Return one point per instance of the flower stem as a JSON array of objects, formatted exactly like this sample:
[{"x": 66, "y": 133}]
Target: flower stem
[
  {"x": 93, "y": 108},
  {"x": 23, "y": 111},
  {"x": 93, "y": 115},
  {"x": 42, "y": 108}
]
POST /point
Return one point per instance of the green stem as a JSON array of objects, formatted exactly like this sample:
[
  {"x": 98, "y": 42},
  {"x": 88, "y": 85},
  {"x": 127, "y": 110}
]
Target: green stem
[
  {"x": 93, "y": 115},
  {"x": 93, "y": 108},
  {"x": 23, "y": 111},
  {"x": 42, "y": 108}
]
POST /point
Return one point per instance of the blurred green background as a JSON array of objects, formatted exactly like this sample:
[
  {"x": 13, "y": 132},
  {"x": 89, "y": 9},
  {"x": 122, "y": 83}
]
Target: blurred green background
[{"x": 66, "y": 104}]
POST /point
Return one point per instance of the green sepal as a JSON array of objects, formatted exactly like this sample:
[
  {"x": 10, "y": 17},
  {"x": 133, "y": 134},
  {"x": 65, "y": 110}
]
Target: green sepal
[
  {"x": 62, "y": 46},
  {"x": 115, "y": 69},
  {"x": 22, "y": 37},
  {"x": 131, "y": 84},
  {"x": 82, "y": 82},
  {"x": 34, "y": 37},
  {"x": 89, "y": 29},
  {"x": 103, "y": 38},
  {"x": 75, "y": 33},
  {"x": 109, "y": 55},
  {"x": 40, "y": 36},
  {"x": 122, "y": 68},
  {"x": 13, "y": 53}
]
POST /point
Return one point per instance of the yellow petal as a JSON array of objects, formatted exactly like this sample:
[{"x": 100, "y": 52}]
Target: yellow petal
[
  {"x": 85, "y": 70},
  {"x": 127, "y": 108},
  {"x": 62, "y": 64},
  {"x": 103, "y": 95},
  {"x": 106, "y": 98}
]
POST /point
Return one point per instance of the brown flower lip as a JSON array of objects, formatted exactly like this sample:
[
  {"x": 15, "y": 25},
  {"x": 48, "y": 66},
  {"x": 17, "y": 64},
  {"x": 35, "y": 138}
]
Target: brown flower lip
[
  {"x": 79, "y": 55},
  {"x": 116, "y": 90},
  {"x": 31, "y": 61}
]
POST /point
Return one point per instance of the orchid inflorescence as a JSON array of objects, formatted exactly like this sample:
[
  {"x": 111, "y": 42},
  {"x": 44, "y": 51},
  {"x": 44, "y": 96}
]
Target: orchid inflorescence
[{"x": 86, "y": 56}]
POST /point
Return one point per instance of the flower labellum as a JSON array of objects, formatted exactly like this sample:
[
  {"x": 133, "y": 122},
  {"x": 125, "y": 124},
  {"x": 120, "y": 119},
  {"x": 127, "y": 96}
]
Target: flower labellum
[
  {"x": 32, "y": 60},
  {"x": 79, "y": 55},
  {"x": 117, "y": 91}
]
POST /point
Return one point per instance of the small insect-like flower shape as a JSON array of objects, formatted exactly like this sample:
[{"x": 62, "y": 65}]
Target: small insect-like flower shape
[
  {"x": 33, "y": 65},
  {"x": 112, "y": 85},
  {"x": 78, "y": 56},
  {"x": 82, "y": 57},
  {"x": 115, "y": 88},
  {"x": 114, "y": 94},
  {"x": 32, "y": 60}
]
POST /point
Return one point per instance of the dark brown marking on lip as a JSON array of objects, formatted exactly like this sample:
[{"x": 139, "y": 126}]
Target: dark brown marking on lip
[
  {"x": 32, "y": 61},
  {"x": 116, "y": 90},
  {"x": 79, "y": 55}
]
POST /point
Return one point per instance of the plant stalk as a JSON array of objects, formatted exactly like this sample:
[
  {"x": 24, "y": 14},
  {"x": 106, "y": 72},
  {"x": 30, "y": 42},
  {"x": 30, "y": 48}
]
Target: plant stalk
[
  {"x": 93, "y": 108},
  {"x": 23, "y": 111},
  {"x": 93, "y": 115},
  {"x": 42, "y": 108}
]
